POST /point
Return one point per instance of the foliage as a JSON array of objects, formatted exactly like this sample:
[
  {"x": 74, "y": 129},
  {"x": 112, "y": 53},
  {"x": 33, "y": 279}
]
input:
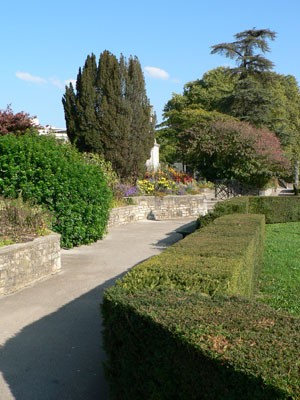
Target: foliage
[
  {"x": 21, "y": 221},
  {"x": 234, "y": 150},
  {"x": 250, "y": 101},
  {"x": 105, "y": 167},
  {"x": 223, "y": 257},
  {"x": 16, "y": 123},
  {"x": 56, "y": 176},
  {"x": 250, "y": 92},
  {"x": 243, "y": 51},
  {"x": 279, "y": 280},
  {"x": 172, "y": 147},
  {"x": 276, "y": 209},
  {"x": 212, "y": 347},
  {"x": 109, "y": 113},
  {"x": 164, "y": 344},
  {"x": 236, "y": 205}
]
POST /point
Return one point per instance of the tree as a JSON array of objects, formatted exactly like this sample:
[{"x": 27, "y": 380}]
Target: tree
[
  {"x": 242, "y": 50},
  {"x": 249, "y": 92},
  {"x": 17, "y": 123},
  {"x": 109, "y": 112},
  {"x": 250, "y": 101},
  {"x": 230, "y": 149},
  {"x": 142, "y": 117}
]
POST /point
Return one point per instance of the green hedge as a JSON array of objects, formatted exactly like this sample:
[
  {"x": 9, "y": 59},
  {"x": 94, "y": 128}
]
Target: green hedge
[
  {"x": 56, "y": 176},
  {"x": 167, "y": 338},
  {"x": 223, "y": 257},
  {"x": 276, "y": 209},
  {"x": 165, "y": 344}
]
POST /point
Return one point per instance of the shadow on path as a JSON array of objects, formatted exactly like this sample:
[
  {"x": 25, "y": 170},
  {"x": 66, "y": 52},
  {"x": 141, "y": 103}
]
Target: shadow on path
[{"x": 60, "y": 356}]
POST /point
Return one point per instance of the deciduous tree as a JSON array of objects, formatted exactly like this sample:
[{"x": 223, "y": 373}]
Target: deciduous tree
[
  {"x": 235, "y": 150},
  {"x": 17, "y": 123}
]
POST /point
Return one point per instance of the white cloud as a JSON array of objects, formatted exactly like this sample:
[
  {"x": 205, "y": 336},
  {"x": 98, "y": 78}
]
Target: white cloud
[
  {"x": 25, "y": 76},
  {"x": 156, "y": 73},
  {"x": 56, "y": 82}
]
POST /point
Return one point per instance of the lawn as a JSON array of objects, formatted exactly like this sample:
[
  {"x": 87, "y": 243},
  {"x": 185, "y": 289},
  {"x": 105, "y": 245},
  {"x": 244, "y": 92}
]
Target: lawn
[{"x": 279, "y": 284}]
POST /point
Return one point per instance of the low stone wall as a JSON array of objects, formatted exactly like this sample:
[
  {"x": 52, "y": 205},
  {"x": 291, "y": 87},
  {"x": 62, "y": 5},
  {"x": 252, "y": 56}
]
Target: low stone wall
[
  {"x": 160, "y": 208},
  {"x": 24, "y": 263}
]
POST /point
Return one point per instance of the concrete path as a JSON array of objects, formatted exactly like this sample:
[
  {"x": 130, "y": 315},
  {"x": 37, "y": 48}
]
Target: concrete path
[{"x": 50, "y": 333}]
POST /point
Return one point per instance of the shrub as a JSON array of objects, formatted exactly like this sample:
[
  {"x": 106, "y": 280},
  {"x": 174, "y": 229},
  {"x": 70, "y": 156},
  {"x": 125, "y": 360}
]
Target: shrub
[
  {"x": 224, "y": 257},
  {"x": 232, "y": 206},
  {"x": 169, "y": 331},
  {"x": 276, "y": 209},
  {"x": 56, "y": 176},
  {"x": 165, "y": 344}
]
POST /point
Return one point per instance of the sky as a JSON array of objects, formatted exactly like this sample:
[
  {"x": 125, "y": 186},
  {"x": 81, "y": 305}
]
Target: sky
[{"x": 44, "y": 43}]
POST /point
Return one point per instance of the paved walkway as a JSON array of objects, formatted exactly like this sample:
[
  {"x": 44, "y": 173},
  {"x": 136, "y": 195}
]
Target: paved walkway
[{"x": 50, "y": 333}]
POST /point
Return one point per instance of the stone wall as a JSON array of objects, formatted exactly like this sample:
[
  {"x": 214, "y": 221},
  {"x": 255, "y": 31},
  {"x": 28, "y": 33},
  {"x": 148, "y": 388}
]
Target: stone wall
[
  {"x": 160, "y": 208},
  {"x": 24, "y": 263}
]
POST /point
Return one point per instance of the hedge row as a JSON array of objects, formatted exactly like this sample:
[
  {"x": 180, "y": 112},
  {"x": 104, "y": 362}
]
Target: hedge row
[
  {"x": 166, "y": 338},
  {"x": 165, "y": 344},
  {"x": 276, "y": 209},
  {"x": 222, "y": 258}
]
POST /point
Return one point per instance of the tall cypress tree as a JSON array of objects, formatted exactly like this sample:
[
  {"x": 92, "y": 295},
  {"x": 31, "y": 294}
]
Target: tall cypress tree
[
  {"x": 110, "y": 113},
  {"x": 142, "y": 127},
  {"x": 114, "y": 116},
  {"x": 80, "y": 109}
]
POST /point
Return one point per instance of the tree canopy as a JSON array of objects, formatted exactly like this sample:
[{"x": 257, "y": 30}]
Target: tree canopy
[
  {"x": 230, "y": 149},
  {"x": 250, "y": 93},
  {"x": 243, "y": 51},
  {"x": 109, "y": 112},
  {"x": 16, "y": 123}
]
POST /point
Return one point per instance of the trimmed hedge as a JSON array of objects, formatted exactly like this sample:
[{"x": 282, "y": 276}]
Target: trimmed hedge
[
  {"x": 276, "y": 209},
  {"x": 224, "y": 257},
  {"x": 56, "y": 176},
  {"x": 165, "y": 344},
  {"x": 170, "y": 333},
  {"x": 166, "y": 337}
]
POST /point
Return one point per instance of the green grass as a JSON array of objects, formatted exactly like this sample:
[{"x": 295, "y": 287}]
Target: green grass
[{"x": 279, "y": 284}]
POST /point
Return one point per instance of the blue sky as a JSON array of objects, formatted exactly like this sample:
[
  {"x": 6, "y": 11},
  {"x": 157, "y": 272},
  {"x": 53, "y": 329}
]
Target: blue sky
[{"x": 45, "y": 42}]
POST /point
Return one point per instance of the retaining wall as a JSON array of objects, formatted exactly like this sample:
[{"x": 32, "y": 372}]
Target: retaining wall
[
  {"x": 161, "y": 208},
  {"x": 25, "y": 263}
]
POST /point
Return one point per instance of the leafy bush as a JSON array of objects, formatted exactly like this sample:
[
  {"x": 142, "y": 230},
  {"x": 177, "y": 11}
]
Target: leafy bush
[{"x": 56, "y": 176}]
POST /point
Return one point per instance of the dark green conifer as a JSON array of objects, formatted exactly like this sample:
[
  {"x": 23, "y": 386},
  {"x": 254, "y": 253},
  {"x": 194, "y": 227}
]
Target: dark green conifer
[
  {"x": 142, "y": 124},
  {"x": 110, "y": 113}
]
